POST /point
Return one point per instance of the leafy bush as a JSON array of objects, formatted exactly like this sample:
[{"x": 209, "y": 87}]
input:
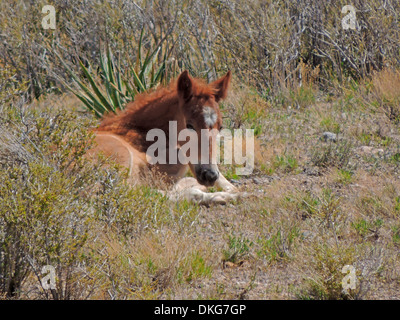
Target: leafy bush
[{"x": 42, "y": 222}]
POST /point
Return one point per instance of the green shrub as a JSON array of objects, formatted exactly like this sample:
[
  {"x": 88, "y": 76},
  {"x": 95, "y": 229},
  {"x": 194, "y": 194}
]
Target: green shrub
[
  {"x": 238, "y": 248},
  {"x": 55, "y": 203},
  {"x": 44, "y": 212},
  {"x": 325, "y": 283},
  {"x": 344, "y": 176},
  {"x": 286, "y": 163},
  {"x": 279, "y": 244},
  {"x": 332, "y": 154},
  {"x": 43, "y": 221}
]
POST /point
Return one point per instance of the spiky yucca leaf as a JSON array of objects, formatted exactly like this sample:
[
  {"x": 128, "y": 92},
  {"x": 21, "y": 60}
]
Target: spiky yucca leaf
[{"x": 115, "y": 88}]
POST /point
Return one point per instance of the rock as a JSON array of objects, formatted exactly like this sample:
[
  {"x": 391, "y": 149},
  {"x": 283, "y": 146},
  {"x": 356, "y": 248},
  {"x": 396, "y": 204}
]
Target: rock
[
  {"x": 329, "y": 136},
  {"x": 311, "y": 171},
  {"x": 370, "y": 150}
]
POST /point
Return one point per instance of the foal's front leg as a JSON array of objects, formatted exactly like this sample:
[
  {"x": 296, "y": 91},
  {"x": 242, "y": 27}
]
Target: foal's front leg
[
  {"x": 224, "y": 184},
  {"x": 188, "y": 188}
]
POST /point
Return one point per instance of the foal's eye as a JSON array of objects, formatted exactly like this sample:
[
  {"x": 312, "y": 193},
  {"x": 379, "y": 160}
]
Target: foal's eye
[{"x": 189, "y": 126}]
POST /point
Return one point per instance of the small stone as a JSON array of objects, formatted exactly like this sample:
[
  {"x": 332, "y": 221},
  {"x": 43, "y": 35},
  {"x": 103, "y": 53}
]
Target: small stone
[
  {"x": 329, "y": 137},
  {"x": 370, "y": 150},
  {"x": 311, "y": 171}
]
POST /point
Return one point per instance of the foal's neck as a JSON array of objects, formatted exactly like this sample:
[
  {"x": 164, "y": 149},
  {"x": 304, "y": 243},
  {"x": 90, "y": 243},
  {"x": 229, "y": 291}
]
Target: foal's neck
[
  {"x": 148, "y": 111},
  {"x": 154, "y": 115}
]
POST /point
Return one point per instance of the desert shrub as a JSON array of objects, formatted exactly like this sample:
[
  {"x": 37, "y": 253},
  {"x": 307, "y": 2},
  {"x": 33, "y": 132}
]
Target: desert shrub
[
  {"x": 148, "y": 266},
  {"x": 326, "y": 267},
  {"x": 43, "y": 222},
  {"x": 43, "y": 213},
  {"x": 328, "y": 276},
  {"x": 324, "y": 206},
  {"x": 58, "y": 207},
  {"x": 332, "y": 154},
  {"x": 128, "y": 210},
  {"x": 278, "y": 36},
  {"x": 238, "y": 248},
  {"x": 268, "y": 44},
  {"x": 280, "y": 242}
]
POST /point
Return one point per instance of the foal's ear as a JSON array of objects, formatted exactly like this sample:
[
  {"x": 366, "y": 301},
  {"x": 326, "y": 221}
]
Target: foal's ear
[
  {"x": 221, "y": 85},
  {"x": 185, "y": 85}
]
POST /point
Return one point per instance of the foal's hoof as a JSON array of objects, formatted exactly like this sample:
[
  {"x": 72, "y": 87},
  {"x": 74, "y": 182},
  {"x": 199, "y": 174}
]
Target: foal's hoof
[
  {"x": 220, "y": 200},
  {"x": 225, "y": 197}
]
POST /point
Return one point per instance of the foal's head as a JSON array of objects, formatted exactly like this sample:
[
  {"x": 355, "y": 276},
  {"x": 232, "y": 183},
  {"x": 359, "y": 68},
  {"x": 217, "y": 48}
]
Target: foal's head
[{"x": 199, "y": 105}]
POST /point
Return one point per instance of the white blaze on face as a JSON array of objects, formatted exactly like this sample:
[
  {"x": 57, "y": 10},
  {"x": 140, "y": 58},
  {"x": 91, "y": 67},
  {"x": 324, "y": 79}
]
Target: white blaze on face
[{"x": 210, "y": 116}]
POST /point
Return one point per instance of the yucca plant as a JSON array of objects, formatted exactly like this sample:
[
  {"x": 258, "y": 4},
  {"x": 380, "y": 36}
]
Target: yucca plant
[{"x": 111, "y": 88}]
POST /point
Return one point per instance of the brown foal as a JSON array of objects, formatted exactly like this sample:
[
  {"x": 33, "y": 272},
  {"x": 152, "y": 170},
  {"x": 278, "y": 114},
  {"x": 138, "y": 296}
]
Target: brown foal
[{"x": 192, "y": 106}]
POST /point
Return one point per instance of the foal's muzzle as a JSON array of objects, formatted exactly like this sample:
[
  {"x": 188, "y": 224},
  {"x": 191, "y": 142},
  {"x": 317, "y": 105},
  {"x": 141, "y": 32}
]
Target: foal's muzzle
[{"x": 206, "y": 175}]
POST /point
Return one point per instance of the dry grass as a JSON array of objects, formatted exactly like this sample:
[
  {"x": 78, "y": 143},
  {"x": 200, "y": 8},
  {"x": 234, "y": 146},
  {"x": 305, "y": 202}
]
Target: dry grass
[
  {"x": 315, "y": 206},
  {"x": 385, "y": 89},
  {"x": 289, "y": 241},
  {"x": 267, "y": 44}
]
